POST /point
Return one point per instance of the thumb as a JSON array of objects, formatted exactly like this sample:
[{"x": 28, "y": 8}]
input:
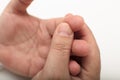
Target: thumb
[
  {"x": 18, "y": 6},
  {"x": 58, "y": 57}
]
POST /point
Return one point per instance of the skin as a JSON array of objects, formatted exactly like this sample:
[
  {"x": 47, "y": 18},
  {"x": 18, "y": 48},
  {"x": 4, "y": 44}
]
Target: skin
[
  {"x": 56, "y": 67},
  {"x": 24, "y": 48}
]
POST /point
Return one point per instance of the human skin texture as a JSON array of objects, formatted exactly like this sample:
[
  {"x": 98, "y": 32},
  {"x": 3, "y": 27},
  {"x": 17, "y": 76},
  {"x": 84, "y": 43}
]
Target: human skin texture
[
  {"x": 25, "y": 42},
  {"x": 56, "y": 67}
]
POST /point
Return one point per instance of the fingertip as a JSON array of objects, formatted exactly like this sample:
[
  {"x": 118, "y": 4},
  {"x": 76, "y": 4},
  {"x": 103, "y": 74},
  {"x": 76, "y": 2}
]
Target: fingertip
[
  {"x": 68, "y": 15},
  {"x": 74, "y": 68},
  {"x": 64, "y": 30},
  {"x": 26, "y": 2},
  {"x": 76, "y": 22},
  {"x": 18, "y": 6}
]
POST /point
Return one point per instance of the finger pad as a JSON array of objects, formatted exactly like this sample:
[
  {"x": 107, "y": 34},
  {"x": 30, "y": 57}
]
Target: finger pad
[
  {"x": 76, "y": 22},
  {"x": 74, "y": 68}
]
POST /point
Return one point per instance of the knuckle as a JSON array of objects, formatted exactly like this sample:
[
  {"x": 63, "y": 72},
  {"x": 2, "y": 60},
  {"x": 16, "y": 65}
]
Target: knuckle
[{"x": 62, "y": 48}]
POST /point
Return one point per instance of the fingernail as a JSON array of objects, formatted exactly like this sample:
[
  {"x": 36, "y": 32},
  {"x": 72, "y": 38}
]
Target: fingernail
[{"x": 64, "y": 29}]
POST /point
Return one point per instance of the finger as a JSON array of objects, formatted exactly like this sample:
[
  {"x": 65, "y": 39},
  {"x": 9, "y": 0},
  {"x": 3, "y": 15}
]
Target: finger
[
  {"x": 80, "y": 48},
  {"x": 58, "y": 58},
  {"x": 56, "y": 21},
  {"x": 79, "y": 27},
  {"x": 51, "y": 24},
  {"x": 91, "y": 62},
  {"x": 75, "y": 22},
  {"x": 18, "y": 6},
  {"x": 74, "y": 68}
]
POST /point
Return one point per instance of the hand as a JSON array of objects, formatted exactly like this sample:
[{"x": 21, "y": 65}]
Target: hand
[
  {"x": 57, "y": 64},
  {"x": 85, "y": 50},
  {"x": 56, "y": 67},
  {"x": 25, "y": 40}
]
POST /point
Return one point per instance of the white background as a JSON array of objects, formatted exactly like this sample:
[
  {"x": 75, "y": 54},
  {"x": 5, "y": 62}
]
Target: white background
[{"x": 102, "y": 16}]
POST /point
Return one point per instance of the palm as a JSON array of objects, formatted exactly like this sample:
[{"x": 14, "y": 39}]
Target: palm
[{"x": 27, "y": 42}]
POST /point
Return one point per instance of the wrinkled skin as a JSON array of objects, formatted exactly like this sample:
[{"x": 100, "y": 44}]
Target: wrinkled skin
[{"x": 25, "y": 41}]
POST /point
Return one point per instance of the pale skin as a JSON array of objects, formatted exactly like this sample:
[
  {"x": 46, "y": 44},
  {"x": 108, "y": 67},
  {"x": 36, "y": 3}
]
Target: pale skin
[{"x": 25, "y": 45}]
